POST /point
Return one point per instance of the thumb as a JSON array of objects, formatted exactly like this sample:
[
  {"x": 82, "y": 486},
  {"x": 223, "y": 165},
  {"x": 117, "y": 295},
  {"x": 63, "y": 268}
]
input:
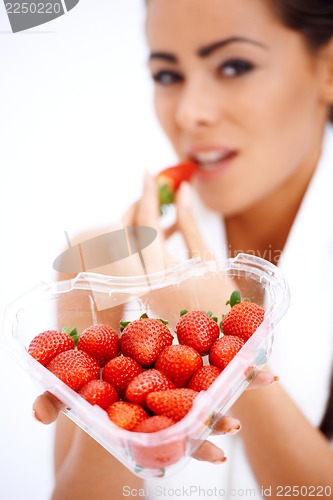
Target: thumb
[
  {"x": 46, "y": 408},
  {"x": 187, "y": 224}
]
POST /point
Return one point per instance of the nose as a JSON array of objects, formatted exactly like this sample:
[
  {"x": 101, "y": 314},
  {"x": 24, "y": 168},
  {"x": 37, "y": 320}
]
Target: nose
[{"x": 198, "y": 107}]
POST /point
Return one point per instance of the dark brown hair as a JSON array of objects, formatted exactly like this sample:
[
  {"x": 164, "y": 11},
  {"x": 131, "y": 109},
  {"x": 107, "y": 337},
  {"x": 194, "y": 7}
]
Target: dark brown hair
[{"x": 313, "y": 19}]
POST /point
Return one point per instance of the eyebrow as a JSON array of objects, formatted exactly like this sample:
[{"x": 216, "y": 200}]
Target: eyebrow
[
  {"x": 207, "y": 50},
  {"x": 163, "y": 55}
]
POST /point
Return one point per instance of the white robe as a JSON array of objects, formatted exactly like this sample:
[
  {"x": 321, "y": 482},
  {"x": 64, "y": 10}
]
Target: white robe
[{"x": 303, "y": 347}]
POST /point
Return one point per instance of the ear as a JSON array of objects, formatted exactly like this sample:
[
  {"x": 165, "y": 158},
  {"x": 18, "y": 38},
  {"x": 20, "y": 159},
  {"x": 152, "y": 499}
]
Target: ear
[{"x": 326, "y": 61}]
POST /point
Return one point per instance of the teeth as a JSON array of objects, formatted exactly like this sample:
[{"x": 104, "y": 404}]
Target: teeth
[{"x": 210, "y": 157}]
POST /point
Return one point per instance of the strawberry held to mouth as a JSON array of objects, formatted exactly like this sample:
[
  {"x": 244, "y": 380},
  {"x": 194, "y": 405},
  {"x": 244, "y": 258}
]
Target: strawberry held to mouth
[{"x": 170, "y": 179}]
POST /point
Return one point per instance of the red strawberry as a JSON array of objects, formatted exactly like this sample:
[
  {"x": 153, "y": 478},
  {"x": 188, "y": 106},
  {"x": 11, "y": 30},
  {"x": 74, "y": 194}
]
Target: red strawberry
[
  {"x": 198, "y": 330},
  {"x": 126, "y": 415},
  {"x": 157, "y": 457},
  {"x": 224, "y": 349},
  {"x": 101, "y": 341},
  {"x": 74, "y": 368},
  {"x": 204, "y": 377},
  {"x": 146, "y": 382},
  {"x": 173, "y": 403},
  {"x": 243, "y": 319},
  {"x": 169, "y": 180},
  {"x": 99, "y": 392},
  {"x": 120, "y": 371},
  {"x": 154, "y": 424},
  {"x": 144, "y": 339},
  {"x": 46, "y": 345},
  {"x": 178, "y": 363}
]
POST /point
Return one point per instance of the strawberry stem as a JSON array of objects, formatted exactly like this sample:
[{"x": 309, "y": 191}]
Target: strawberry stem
[
  {"x": 235, "y": 298},
  {"x": 166, "y": 195},
  {"x": 72, "y": 332},
  {"x": 164, "y": 321},
  {"x": 210, "y": 315},
  {"x": 123, "y": 325},
  {"x": 183, "y": 312}
]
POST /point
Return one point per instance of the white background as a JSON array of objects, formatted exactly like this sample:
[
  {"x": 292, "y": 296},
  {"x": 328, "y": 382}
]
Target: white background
[{"x": 77, "y": 131}]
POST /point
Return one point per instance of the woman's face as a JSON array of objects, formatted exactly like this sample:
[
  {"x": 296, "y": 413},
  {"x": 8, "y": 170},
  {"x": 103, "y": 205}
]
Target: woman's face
[{"x": 238, "y": 92}]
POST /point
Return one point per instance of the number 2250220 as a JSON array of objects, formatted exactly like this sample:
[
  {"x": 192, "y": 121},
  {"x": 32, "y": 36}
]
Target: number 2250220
[{"x": 33, "y": 8}]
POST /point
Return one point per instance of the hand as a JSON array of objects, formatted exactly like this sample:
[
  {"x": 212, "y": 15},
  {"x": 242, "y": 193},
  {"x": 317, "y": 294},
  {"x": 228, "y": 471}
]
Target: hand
[
  {"x": 209, "y": 452},
  {"x": 146, "y": 212},
  {"x": 46, "y": 409}
]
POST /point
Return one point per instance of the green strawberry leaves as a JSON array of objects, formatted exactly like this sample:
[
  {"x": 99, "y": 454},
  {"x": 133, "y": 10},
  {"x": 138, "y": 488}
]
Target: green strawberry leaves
[
  {"x": 72, "y": 332},
  {"x": 235, "y": 298}
]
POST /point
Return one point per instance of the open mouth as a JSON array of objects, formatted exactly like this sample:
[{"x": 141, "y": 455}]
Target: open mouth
[{"x": 212, "y": 163}]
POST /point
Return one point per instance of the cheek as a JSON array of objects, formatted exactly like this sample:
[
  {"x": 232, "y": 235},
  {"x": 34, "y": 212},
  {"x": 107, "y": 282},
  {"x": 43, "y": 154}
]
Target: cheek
[
  {"x": 279, "y": 138},
  {"x": 165, "y": 111}
]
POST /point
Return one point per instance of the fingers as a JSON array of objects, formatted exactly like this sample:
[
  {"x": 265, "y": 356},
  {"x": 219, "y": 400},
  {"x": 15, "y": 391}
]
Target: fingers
[
  {"x": 208, "y": 452},
  {"x": 187, "y": 224},
  {"x": 148, "y": 210},
  {"x": 227, "y": 425},
  {"x": 129, "y": 216},
  {"x": 262, "y": 379},
  {"x": 46, "y": 408}
]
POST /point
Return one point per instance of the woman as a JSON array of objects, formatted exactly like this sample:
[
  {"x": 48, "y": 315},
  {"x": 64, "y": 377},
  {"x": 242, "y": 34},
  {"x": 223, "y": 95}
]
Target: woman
[{"x": 245, "y": 88}]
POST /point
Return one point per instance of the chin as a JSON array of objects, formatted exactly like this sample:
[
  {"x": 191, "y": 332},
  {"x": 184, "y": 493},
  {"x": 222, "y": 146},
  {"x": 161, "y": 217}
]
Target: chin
[{"x": 218, "y": 202}]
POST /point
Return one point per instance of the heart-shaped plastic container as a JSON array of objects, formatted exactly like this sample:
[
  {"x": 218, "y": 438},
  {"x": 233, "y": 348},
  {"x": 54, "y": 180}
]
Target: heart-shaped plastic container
[{"x": 193, "y": 285}]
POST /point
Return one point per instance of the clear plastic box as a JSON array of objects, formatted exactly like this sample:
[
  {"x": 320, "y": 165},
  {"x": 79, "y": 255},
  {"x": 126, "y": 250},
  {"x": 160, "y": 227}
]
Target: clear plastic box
[{"x": 93, "y": 298}]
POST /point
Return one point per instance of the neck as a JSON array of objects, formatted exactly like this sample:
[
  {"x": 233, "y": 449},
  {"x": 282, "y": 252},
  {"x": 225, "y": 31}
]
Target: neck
[{"x": 263, "y": 229}]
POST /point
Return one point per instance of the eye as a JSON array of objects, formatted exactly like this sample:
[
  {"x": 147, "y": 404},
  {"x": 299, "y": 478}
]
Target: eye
[
  {"x": 167, "y": 78},
  {"x": 235, "y": 67}
]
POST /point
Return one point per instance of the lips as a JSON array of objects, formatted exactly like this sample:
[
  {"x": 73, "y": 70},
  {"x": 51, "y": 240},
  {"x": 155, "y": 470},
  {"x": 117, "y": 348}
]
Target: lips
[{"x": 211, "y": 162}]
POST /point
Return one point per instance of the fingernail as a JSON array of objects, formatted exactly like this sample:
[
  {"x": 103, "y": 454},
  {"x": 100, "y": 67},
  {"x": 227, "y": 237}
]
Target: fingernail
[
  {"x": 234, "y": 430},
  {"x": 271, "y": 378},
  {"x": 36, "y": 417},
  {"x": 220, "y": 461},
  {"x": 185, "y": 195}
]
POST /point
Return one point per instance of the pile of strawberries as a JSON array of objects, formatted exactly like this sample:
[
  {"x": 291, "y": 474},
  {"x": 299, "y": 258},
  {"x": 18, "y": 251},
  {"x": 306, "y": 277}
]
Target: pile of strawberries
[{"x": 142, "y": 378}]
